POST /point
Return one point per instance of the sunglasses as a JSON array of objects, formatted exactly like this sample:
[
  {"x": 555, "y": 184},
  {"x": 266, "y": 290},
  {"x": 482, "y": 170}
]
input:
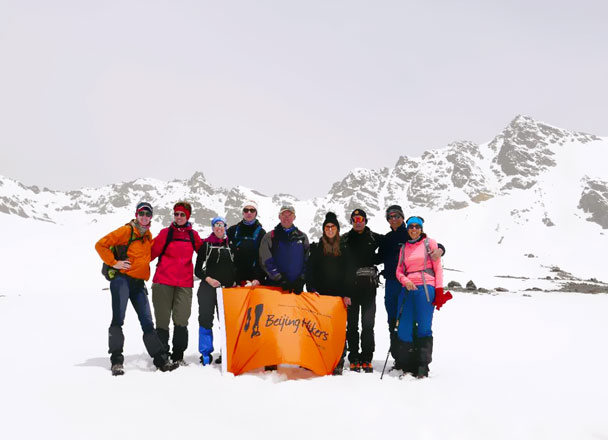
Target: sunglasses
[
  {"x": 179, "y": 214},
  {"x": 330, "y": 226},
  {"x": 219, "y": 225},
  {"x": 144, "y": 213},
  {"x": 251, "y": 210},
  {"x": 414, "y": 226},
  {"x": 394, "y": 216},
  {"x": 358, "y": 219}
]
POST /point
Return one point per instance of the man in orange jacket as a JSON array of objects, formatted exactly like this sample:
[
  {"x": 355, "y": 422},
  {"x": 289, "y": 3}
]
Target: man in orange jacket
[{"x": 128, "y": 283}]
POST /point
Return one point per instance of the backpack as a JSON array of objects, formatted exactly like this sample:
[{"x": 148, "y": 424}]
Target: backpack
[
  {"x": 225, "y": 274},
  {"x": 170, "y": 239},
  {"x": 120, "y": 253}
]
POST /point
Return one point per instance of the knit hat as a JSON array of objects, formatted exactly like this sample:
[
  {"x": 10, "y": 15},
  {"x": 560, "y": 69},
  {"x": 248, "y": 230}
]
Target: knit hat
[
  {"x": 250, "y": 203},
  {"x": 330, "y": 217},
  {"x": 415, "y": 220},
  {"x": 287, "y": 208},
  {"x": 184, "y": 207},
  {"x": 144, "y": 206},
  {"x": 358, "y": 212},
  {"x": 394, "y": 209},
  {"x": 218, "y": 219}
]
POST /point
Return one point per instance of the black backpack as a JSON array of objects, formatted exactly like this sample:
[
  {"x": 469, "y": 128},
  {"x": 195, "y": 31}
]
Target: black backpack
[{"x": 170, "y": 239}]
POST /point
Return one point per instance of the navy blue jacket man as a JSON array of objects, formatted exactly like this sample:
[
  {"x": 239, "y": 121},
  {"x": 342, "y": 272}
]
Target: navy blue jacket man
[{"x": 284, "y": 253}]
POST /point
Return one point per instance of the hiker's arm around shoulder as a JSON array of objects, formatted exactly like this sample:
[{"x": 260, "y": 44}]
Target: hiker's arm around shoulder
[
  {"x": 438, "y": 253},
  {"x": 158, "y": 244},
  {"x": 437, "y": 267},
  {"x": 114, "y": 238}
]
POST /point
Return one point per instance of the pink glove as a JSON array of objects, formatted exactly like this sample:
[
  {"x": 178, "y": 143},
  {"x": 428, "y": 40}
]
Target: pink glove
[{"x": 441, "y": 298}]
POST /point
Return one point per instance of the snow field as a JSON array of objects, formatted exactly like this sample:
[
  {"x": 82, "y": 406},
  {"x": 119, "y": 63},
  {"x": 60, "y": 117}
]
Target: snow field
[{"x": 506, "y": 366}]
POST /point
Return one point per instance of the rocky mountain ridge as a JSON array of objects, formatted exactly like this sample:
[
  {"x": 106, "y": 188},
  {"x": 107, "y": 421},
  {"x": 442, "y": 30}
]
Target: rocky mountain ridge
[{"x": 454, "y": 177}]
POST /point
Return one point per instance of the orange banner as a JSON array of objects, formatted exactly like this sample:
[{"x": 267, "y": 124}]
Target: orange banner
[{"x": 265, "y": 326}]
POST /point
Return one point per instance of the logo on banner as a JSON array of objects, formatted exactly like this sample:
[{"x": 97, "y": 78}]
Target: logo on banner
[{"x": 255, "y": 330}]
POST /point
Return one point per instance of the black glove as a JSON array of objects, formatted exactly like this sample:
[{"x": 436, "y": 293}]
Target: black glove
[
  {"x": 285, "y": 284},
  {"x": 297, "y": 287}
]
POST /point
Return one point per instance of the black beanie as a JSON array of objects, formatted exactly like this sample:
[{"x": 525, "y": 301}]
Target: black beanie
[
  {"x": 394, "y": 209},
  {"x": 330, "y": 217},
  {"x": 358, "y": 212}
]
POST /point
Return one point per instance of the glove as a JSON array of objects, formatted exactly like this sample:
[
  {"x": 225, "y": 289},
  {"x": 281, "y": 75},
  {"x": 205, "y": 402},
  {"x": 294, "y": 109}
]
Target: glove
[
  {"x": 441, "y": 298},
  {"x": 297, "y": 286},
  {"x": 285, "y": 284}
]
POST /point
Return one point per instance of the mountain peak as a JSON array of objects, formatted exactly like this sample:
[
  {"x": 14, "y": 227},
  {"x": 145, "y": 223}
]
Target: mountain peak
[{"x": 198, "y": 176}]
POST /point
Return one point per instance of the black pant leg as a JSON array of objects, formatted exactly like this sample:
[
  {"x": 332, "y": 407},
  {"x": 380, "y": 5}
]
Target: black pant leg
[
  {"x": 207, "y": 299},
  {"x": 368, "y": 319},
  {"x": 352, "y": 330}
]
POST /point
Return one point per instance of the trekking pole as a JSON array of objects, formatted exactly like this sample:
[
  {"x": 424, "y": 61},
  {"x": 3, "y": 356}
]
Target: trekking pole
[{"x": 394, "y": 330}]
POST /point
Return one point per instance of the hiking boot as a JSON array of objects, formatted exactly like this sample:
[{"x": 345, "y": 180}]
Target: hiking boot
[
  {"x": 337, "y": 371},
  {"x": 355, "y": 366},
  {"x": 218, "y": 360},
  {"x": 118, "y": 370},
  {"x": 167, "y": 366},
  {"x": 181, "y": 363},
  {"x": 367, "y": 367},
  {"x": 423, "y": 371}
]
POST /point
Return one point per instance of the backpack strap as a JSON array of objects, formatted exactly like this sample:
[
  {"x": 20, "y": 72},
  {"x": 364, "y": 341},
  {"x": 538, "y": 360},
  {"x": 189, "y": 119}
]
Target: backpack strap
[
  {"x": 167, "y": 241},
  {"x": 210, "y": 248},
  {"x": 131, "y": 239},
  {"x": 191, "y": 234},
  {"x": 238, "y": 239},
  {"x": 426, "y": 254}
]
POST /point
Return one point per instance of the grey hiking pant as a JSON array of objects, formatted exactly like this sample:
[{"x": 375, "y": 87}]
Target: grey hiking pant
[{"x": 171, "y": 300}]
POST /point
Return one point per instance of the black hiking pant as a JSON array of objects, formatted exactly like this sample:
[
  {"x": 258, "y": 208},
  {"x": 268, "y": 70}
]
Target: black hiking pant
[
  {"x": 366, "y": 308},
  {"x": 207, "y": 302}
]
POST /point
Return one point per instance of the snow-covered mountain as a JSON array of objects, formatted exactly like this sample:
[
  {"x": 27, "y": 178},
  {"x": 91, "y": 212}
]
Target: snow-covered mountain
[{"x": 532, "y": 190}]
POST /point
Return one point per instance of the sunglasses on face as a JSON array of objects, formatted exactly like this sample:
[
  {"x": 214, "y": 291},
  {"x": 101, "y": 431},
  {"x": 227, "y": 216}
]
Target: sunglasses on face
[
  {"x": 394, "y": 216},
  {"x": 330, "y": 227},
  {"x": 179, "y": 214},
  {"x": 414, "y": 226},
  {"x": 143, "y": 213},
  {"x": 251, "y": 210},
  {"x": 219, "y": 225}
]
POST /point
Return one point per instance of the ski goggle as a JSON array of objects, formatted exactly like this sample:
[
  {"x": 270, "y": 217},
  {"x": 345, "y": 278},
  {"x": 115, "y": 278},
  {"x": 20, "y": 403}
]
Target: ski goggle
[
  {"x": 251, "y": 210},
  {"x": 358, "y": 219},
  {"x": 144, "y": 213}
]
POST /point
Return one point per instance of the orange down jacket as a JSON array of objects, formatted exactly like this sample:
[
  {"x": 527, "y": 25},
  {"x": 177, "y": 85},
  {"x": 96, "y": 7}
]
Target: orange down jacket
[{"x": 139, "y": 252}]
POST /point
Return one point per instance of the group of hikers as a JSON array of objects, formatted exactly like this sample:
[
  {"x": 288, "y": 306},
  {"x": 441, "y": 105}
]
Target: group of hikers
[{"x": 246, "y": 255}]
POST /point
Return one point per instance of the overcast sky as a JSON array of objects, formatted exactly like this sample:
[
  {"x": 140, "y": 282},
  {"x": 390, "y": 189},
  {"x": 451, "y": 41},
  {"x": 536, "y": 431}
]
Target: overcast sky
[{"x": 282, "y": 96}]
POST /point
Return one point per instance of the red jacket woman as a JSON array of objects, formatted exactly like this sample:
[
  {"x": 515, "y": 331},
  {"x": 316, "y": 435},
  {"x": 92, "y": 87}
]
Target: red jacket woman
[{"x": 173, "y": 280}]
